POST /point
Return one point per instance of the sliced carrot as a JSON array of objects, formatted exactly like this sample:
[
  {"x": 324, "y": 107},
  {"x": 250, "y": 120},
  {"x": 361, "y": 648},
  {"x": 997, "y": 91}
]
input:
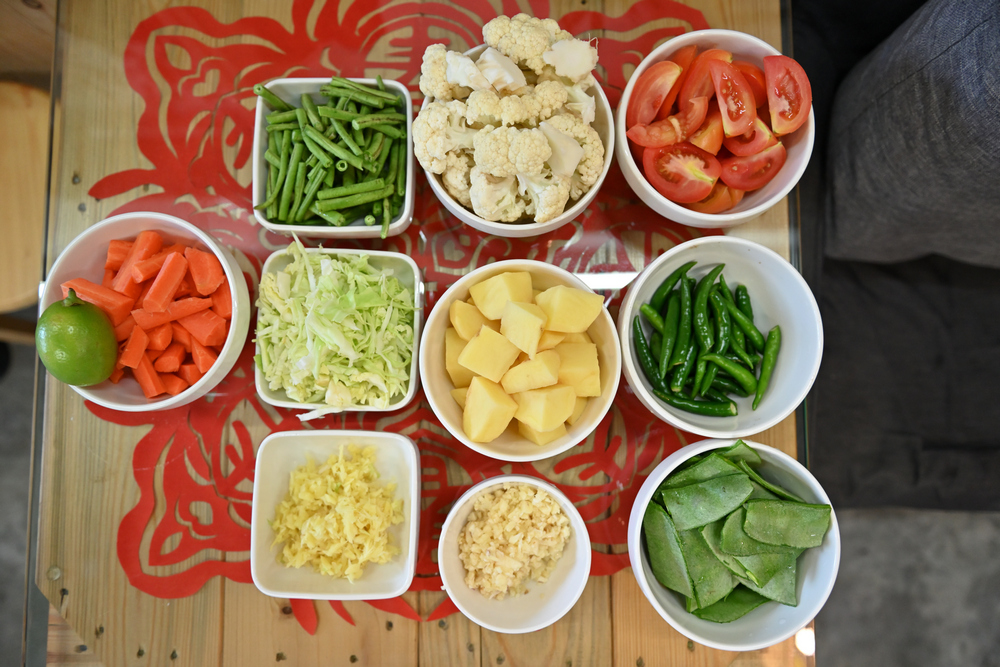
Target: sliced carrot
[
  {"x": 137, "y": 343},
  {"x": 148, "y": 378},
  {"x": 174, "y": 311},
  {"x": 186, "y": 288},
  {"x": 203, "y": 357},
  {"x": 123, "y": 330},
  {"x": 148, "y": 268},
  {"x": 152, "y": 354},
  {"x": 116, "y": 375},
  {"x": 115, "y": 305},
  {"x": 206, "y": 271},
  {"x": 206, "y": 327},
  {"x": 166, "y": 283},
  {"x": 143, "y": 291},
  {"x": 173, "y": 384},
  {"x": 109, "y": 278},
  {"x": 132, "y": 290},
  {"x": 117, "y": 253},
  {"x": 171, "y": 359},
  {"x": 190, "y": 373},
  {"x": 181, "y": 336},
  {"x": 147, "y": 244},
  {"x": 160, "y": 337},
  {"x": 222, "y": 301}
]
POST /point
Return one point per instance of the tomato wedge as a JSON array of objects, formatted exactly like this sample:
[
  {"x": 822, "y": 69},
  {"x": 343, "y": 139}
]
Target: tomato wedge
[
  {"x": 673, "y": 129},
  {"x": 752, "y": 171},
  {"x": 709, "y": 136},
  {"x": 759, "y": 139},
  {"x": 684, "y": 58},
  {"x": 717, "y": 201},
  {"x": 682, "y": 173},
  {"x": 698, "y": 82},
  {"x": 755, "y": 77},
  {"x": 789, "y": 95},
  {"x": 735, "y": 99},
  {"x": 649, "y": 92}
]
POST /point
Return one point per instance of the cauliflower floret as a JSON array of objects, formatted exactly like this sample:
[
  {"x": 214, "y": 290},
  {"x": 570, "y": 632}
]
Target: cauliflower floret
[
  {"x": 495, "y": 198},
  {"x": 434, "y": 75},
  {"x": 456, "y": 177},
  {"x": 566, "y": 153},
  {"x": 547, "y": 194},
  {"x": 571, "y": 58},
  {"x": 592, "y": 164},
  {"x": 506, "y": 151},
  {"x": 580, "y": 102},
  {"x": 537, "y": 105},
  {"x": 483, "y": 108},
  {"x": 439, "y": 129},
  {"x": 502, "y": 72},
  {"x": 523, "y": 38},
  {"x": 462, "y": 71}
]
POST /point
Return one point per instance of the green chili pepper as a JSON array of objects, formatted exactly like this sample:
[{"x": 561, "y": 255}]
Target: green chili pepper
[
  {"x": 701, "y": 367},
  {"x": 739, "y": 373},
  {"x": 670, "y": 326},
  {"x": 771, "y": 348},
  {"x": 644, "y": 355},
  {"x": 702, "y": 328},
  {"x": 683, "y": 325},
  {"x": 708, "y": 408},
  {"x": 753, "y": 334},
  {"x": 655, "y": 344},
  {"x": 728, "y": 385},
  {"x": 680, "y": 376},
  {"x": 661, "y": 293},
  {"x": 652, "y": 316},
  {"x": 743, "y": 301}
]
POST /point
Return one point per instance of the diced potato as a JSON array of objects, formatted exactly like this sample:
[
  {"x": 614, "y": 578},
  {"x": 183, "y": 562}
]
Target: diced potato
[
  {"x": 542, "y": 371},
  {"x": 453, "y": 347},
  {"x": 581, "y": 404},
  {"x": 467, "y": 320},
  {"x": 569, "y": 309},
  {"x": 550, "y": 339},
  {"x": 535, "y": 293},
  {"x": 488, "y": 354},
  {"x": 492, "y": 294},
  {"x": 488, "y": 410},
  {"x": 538, "y": 437},
  {"x": 522, "y": 325},
  {"x": 578, "y": 368},
  {"x": 582, "y": 337},
  {"x": 459, "y": 396},
  {"x": 544, "y": 409}
]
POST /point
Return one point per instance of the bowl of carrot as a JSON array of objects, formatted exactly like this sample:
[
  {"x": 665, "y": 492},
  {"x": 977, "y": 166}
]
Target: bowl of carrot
[{"x": 176, "y": 298}]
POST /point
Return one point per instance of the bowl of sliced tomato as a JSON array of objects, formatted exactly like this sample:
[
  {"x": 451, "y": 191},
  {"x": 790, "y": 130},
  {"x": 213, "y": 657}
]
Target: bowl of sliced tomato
[{"x": 717, "y": 128}]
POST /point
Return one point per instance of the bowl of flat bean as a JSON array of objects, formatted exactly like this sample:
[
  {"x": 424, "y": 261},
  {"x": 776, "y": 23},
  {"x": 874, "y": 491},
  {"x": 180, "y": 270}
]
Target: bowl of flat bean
[
  {"x": 332, "y": 158},
  {"x": 720, "y": 337}
]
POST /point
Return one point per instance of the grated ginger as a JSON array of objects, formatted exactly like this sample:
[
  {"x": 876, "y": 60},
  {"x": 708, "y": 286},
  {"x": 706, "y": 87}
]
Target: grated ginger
[{"x": 336, "y": 517}]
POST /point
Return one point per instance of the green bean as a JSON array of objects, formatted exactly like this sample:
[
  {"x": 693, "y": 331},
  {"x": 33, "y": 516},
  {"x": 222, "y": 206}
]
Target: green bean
[
  {"x": 700, "y": 309},
  {"x": 353, "y": 95},
  {"x": 335, "y": 218},
  {"x": 272, "y": 99},
  {"x": 378, "y": 119},
  {"x": 375, "y": 148},
  {"x": 281, "y": 117},
  {"x": 331, "y": 147},
  {"x": 288, "y": 190},
  {"x": 708, "y": 408},
  {"x": 349, "y": 176},
  {"x": 390, "y": 171},
  {"x": 338, "y": 114},
  {"x": 342, "y": 105},
  {"x": 401, "y": 166},
  {"x": 354, "y": 189},
  {"x": 341, "y": 166},
  {"x": 386, "y": 217},
  {"x": 389, "y": 131},
  {"x": 369, "y": 220},
  {"x": 667, "y": 286},
  {"x": 301, "y": 118},
  {"x": 272, "y": 159},
  {"x": 645, "y": 356},
  {"x": 683, "y": 325},
  {"x": 346, "y": 137},
  {"x": 348, "y": 83},
  {"x": 273, "y": 197},
  {"x": 739, "y": 373},
  {"x": 310, "y": 196},
  {"x": 331, "y": 174},
  {"x": 317, "y": 152},
  {"x": 378, "y": 81},
  {"x": 771, "y": 348},
  {"x": 670, "y": 327},
  {"x": 280, "y": 127},
  {"x": 312, "y": 112},
  {"x": 377, "y": 209},
  {"x": 652, "y": 317},
  {"x": 359, "y": 136},
  {"x": 354, "y": 200},
  {"x": 753, "y": 334},
  {"x": 681, "y": 373},
  {"x": 743, "y": 301},
  {"x": 300, "y": 188}
]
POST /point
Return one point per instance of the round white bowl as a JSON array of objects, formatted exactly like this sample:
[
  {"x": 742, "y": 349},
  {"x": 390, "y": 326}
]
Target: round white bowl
[
  {"x": 799, "y": 144},
  {"x": 772, "y": 622},
  {"x": 780, "y": 296},
  {"x": 543, "y": 604},
  {"x": 510, "y": 446},
  {"x": 603, "y": 123},
  {"x": 84, "y": 258}
]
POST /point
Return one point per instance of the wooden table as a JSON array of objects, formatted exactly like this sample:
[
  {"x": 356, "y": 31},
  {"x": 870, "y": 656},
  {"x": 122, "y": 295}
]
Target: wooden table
[{"x": 87, "y": 485}]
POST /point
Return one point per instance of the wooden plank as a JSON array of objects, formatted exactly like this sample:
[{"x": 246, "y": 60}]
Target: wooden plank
[
  {"x": 27, "y": 36},
  {"x": 65, "y": 648},
  {"x": 455, "y": 641}
]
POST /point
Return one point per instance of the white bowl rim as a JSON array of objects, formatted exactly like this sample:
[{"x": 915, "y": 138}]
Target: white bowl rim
[
  {"x": 710, "y": 220},
  {"x": 209, "y": 242},
  {"x": 418, "y": 310},
  {"x": 484, "y": 448},
  {"x": 668, "y": 465},
  {"x": 576, "y": 520},
  {"x": 632, "y": 374}
]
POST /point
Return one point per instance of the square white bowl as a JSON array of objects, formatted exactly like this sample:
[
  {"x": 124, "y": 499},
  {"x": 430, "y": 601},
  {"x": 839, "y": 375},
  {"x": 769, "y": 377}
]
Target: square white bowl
[
  {"x": 397, "y": 460},
  {"x": 408, "y": 274},
  {"x": 290, "y": 90}
]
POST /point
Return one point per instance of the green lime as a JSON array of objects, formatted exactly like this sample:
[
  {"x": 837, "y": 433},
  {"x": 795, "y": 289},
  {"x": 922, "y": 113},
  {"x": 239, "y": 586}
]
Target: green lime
[{"x": 76, "y": 342}]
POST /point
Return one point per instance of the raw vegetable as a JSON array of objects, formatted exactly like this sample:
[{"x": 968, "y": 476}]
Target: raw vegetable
[{"x": 335, "y": 330}]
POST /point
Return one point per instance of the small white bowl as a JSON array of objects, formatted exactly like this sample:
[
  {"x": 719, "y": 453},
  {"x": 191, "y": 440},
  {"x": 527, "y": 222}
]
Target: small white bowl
[
  {"x": 799, "y": 144},
  {"x": 780, "y": 296},
  {"x": 397, "y": 460},
  {"x": 603, "y": 123},
  {"x": 290, "y": 90},
  {"x": 543, "y": 604},
  {"x": 772, "y": 622},
  {"x": 511, "y": 446},
  {"x": 408, "y": 274},
  {"x": 84, "y": 258}
]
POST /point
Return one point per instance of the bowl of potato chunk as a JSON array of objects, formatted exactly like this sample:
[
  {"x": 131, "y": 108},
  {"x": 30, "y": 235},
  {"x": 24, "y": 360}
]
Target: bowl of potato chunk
[{"x": 520, "y": 360}]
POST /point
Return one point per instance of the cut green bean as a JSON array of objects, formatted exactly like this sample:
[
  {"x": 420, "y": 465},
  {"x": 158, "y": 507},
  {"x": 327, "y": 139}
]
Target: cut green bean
[
  {"x": 288, "y": 190},
  {"x": 331, "y": 147},
  {"x": 346, "y": 137},
  {"x": 312, "y": 112},
  {"x": 276, "y": 102},
  {"x": 378, "y": 119},
  {"x": 311, "y": 189},
  {"x": 280, "y": 127},
  {"x": 368, "y": 90},
  {"x": 272, "y": 158},
  {"x": 281, "y": 117},
  {"x": 354, "y": 200},
  {"x": 335, "y": 218},
  {"x": 383, "y": 155},
  {"x": 379, "y": 82},
  {"x": 345, "y": 190},
  {"x": 317, "y": 152},
  {"x": 369, "y": 220},
  {"x": 375, "y": 148},
  {"x": 386, "y": 218},
  {"x": 389, "y": 131},
  {"x": 401, "y": 167},
  {"x": 300, "y": 189}
]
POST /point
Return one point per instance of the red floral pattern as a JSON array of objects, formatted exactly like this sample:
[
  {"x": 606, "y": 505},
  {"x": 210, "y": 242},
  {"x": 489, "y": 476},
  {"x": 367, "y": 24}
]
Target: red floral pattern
[{"x": 195, "y": 76}]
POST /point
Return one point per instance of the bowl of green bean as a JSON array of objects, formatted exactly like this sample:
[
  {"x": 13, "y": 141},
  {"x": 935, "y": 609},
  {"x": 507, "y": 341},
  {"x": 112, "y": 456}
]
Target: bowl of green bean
[
  {"x": 721, "y": 337},
  {"x": 333, "y": 157}
]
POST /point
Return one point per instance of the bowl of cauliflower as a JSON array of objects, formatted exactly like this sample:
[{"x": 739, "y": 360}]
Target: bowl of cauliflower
[{"x": 515, "y": 135}]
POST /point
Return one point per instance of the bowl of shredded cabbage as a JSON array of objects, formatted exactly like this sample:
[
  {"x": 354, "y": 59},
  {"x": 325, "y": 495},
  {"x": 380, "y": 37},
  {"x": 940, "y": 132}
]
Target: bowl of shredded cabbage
[{"x": 337, "y": 330}]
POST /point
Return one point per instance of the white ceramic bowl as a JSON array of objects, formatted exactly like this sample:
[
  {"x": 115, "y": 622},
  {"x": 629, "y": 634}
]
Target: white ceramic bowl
[
  {"x": 290, "y": 90},
  {"x": 408, "y": 274},
  {"x": 603, "y": 123},
  {"x": 798, "y": 144},
  {"x": 397, "y": 460},
  {"x": 543, "y": 604},
  {"x": 780, "y": 296},
  {"x": 511, "y": 446},
  {"x": 772, "y": 622},
  {"x": 84, "y": 258}
]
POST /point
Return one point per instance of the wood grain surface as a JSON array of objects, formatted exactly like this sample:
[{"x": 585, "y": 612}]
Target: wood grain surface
[{"x": 87, "y": 477}]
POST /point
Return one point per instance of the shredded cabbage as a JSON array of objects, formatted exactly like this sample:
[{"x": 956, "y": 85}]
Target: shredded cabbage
[{"x": 335, "y": 330}]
